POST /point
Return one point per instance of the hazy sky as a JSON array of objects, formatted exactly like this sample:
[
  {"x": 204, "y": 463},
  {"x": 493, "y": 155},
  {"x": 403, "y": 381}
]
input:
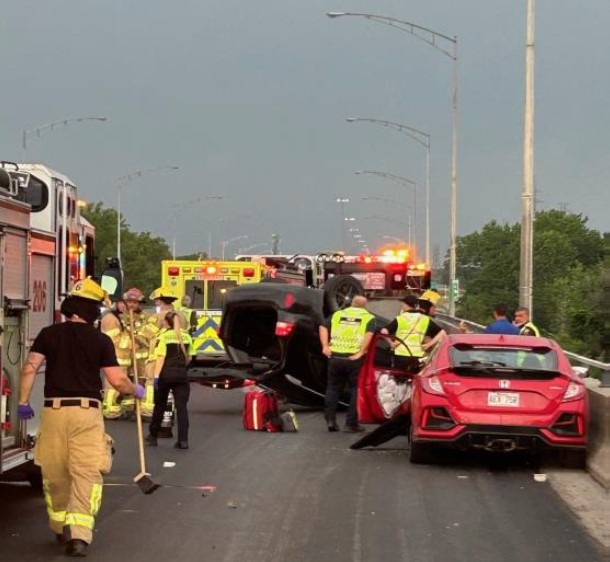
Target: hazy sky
[{"x": 249, "y": 98}]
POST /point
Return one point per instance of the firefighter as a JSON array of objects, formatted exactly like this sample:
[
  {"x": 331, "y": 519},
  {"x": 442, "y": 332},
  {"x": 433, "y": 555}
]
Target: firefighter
[
  {"x": 72, "y": 447},
  {"x": 143, "y": 335},
  {"x": 187, "y": 311},
  {"x": 419, "y": 332},
  {"x": 113, "y": 326},
  {"x": 523, "y": 322},
  {"x": 345, "y": 339},
  {"x": 428, "y": 301},
  {"x": 173, "y": 352}
]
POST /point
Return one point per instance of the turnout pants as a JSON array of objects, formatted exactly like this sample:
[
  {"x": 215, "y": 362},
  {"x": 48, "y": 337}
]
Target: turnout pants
[
  {"x": 341, "y": 371},
  {"x": 73, "y": 452},
  {"x": 181, "y": 390}
]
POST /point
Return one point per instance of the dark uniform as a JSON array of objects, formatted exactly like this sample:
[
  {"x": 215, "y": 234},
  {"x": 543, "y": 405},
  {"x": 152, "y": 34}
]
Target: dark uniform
[{"x": 173, "y": 377}]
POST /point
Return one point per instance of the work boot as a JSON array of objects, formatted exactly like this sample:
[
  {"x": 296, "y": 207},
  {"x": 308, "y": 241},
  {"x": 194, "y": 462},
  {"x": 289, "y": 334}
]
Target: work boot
[
  {"x": 181, "y": 445},
  {"x": 151, "y": 441},
  {"x": 332, "y": 426},
  {"x": 60, "y": 538},
  {"x": 76, "y": 547}
]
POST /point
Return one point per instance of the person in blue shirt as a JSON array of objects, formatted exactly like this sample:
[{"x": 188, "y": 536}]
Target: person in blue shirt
[{"x": 501, "y": 324}]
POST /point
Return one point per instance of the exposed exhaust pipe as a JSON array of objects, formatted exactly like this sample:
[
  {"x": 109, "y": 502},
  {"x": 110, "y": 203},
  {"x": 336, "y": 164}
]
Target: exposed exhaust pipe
[{"x": 500, "y": 445}]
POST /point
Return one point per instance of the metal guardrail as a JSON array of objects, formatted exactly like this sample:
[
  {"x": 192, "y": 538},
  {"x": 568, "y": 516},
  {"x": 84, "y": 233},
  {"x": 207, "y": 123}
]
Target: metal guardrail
[{"x": 453, "y": 323}]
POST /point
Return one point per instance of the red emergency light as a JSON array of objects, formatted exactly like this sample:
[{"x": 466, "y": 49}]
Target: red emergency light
[
  {"x": 173, "y": 271},
  {"x": 248, "y": 272}
]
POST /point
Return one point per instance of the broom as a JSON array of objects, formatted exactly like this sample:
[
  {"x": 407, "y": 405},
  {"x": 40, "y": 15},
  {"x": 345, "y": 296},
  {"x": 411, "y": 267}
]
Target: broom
[{"x": 142, "y": 479}]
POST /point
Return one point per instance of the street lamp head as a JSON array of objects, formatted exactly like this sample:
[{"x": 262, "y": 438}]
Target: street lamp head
[
  {"x": 351, "y": 119},
  {"x": 336, "y": 14},
  {"x": 342, "y": 200}
]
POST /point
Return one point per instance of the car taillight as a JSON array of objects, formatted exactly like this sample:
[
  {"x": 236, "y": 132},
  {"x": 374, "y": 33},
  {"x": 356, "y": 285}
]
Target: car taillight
[
  {"x": 574, "y": 391},
  {"x": 433, "y": 385},
  {"x": 173, "y": 271},
  {"x": 248, "y": 272},
  {"x": 284, "y": 329}
]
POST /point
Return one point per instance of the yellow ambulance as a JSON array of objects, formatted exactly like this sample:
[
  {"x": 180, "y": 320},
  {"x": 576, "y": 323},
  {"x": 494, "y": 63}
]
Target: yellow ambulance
[{"x": 206, "y": 283}]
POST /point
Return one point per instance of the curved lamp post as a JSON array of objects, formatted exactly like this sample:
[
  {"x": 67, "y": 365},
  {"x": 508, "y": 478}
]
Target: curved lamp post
[
  {"x": 449, "y": 47},
  {"x": 224, "y": 243},
  {"x": 181, "y": 207},
  {"x": 120, "y": 183},
  {"x": 395, "y": 204},
  {"x": 410, "y": 183},
  {"x": 51, "y": 127}
]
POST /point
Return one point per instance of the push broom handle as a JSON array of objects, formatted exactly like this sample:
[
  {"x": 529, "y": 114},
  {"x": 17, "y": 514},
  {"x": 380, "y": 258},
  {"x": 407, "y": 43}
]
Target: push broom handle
[{"x": 135, "y": 376}]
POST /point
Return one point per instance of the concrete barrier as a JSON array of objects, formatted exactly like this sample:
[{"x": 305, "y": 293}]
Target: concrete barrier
[{"x": 598, "y": 459}]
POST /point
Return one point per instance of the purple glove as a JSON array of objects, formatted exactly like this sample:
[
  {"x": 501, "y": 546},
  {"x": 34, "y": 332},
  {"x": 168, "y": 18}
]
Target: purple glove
[
  {"x": 139, "y": 392},
  {"x": 25, "y": 412},
  {"x": 156, "y": 383}
]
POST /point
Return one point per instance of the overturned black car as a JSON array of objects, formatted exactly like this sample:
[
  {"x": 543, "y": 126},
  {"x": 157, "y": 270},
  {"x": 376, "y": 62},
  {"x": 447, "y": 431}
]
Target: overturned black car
[{"x": 270, "y": 334}]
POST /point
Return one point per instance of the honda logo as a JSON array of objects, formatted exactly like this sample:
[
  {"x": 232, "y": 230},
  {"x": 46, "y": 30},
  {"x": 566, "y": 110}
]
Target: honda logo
[{"x": 504, "y": 384}]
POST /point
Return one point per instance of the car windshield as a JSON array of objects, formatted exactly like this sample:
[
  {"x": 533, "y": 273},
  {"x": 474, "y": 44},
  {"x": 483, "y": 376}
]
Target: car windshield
[{"x": 487, "y": 357}]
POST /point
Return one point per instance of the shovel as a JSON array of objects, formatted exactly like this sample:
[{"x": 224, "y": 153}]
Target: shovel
[{"x": 142, "y": 479}]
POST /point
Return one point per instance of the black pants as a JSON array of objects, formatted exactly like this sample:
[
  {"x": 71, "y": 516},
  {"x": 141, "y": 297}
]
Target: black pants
[
  {"x": 181, "y": 390},
  {"x": 340, "y": 372}
]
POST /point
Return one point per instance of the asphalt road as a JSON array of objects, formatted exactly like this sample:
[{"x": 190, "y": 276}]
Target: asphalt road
[{"x": 305, "y": 497}]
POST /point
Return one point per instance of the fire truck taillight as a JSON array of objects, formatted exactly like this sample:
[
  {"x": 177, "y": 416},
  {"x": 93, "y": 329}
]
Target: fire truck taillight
[
  {"x": 173, "y": 271},
  {"x": 284, "y": 329},
  {"x": 248, "y": 272}
]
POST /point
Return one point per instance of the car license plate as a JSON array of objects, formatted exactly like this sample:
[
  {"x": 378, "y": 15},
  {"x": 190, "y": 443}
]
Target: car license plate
[{"x": 510, "y": 399}]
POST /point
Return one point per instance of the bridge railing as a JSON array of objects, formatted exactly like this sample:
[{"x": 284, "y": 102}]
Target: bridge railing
[{"x": 453, "y": 324}]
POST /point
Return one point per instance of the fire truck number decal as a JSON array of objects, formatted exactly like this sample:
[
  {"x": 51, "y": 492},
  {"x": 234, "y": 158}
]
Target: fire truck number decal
[{"x": 40, "y": 296}]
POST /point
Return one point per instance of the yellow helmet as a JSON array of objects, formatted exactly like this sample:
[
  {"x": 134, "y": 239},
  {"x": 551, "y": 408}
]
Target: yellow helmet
[
  {"x": 431, "y": 296},
  {"x": 162, "y": 293},
  {"x": 88, "y": 289}
]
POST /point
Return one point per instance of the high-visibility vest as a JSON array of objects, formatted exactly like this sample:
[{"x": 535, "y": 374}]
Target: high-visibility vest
[
  {"x": 412, "y": 328},
  {"x": 531, "y": 326},
  {"x": 348, "y": 329}
]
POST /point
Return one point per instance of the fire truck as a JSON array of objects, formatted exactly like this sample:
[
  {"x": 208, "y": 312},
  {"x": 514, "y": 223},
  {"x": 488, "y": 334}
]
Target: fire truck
[
  {"x": 389, "y": 273},
  {"x": 45, "y": 245},
  {"x": 206, "y": 282}
]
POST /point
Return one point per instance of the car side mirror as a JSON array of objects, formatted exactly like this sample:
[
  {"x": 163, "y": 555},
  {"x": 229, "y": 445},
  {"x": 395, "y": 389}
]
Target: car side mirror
[{"x": 581, "y": 371}]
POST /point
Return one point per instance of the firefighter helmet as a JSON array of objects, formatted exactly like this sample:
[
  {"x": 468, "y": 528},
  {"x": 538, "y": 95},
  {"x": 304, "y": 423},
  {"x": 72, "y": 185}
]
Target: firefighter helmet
[
  {"x": 134, "y": 294},
  {"x": 162, "y": 293},
  {"x": 88, "y": 289},
  {"x": 431, "y": 296}
]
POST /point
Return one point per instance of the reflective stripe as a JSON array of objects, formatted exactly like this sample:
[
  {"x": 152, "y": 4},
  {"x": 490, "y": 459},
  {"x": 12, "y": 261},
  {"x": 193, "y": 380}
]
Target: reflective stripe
[
  {"x": 57, "y": 516},
  {"x": 348, "y": 328},
  {"x": 80, "y": 520},
  {"x": 530, "y": 326},
  {"x": 96, "y": 498},
  {"x": 412, "y": 328}
]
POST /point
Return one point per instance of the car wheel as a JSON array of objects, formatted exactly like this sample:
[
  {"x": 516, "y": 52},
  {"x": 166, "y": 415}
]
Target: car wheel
[
  {"x": 340, "y": 290},
  {"x": 573, "y": 458},
  {"x": 420, "y": 453}
]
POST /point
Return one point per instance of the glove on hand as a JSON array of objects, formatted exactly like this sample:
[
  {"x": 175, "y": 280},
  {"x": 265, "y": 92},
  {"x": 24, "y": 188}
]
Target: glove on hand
[
  {"x": 156, "y": 383},
  {"x": 139, "y": 392},
  {"x": 25, "y": 412}
]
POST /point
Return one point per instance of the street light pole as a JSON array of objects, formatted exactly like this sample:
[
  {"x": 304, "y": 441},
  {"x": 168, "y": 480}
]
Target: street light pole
[
  {"x": 403, "y": 181},
  {"x": 424, "y": 140},
  {"x": 527, "y": 194},
  {"x": 50, "y": 127},
  {"x": 235, "y": 239},
  {"x": 342, "y": 201},
  {"x": 120, "y": 183},
  {"x": 435, "y": 40},
  {"x": 181, "y": 207}
]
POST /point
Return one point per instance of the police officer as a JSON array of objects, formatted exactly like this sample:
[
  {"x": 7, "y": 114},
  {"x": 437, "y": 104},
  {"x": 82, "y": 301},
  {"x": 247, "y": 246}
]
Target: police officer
[
  {"x": 345, "y": 339},
  {"x": 173, "y": 352},
  {"x": 72, "y": 448},
  {"x": 523, "y": 322},
  {"x": 419, "y": 332}
]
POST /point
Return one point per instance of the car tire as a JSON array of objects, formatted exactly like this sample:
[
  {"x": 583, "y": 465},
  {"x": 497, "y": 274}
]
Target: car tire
[
  {"x": 573, "y": 458},
  {"x": 339, "y": 292}
]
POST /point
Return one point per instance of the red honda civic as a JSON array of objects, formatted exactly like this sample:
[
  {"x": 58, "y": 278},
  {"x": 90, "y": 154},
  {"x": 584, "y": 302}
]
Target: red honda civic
[{"x": 498, "y": 393}]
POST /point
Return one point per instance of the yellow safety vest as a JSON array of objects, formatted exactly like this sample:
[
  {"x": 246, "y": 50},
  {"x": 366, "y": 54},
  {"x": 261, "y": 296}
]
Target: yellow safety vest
[
  {"x": 347, "y": 330},
  {"x": 412, "y": 328},
  {"x": 532, "y": 327}
]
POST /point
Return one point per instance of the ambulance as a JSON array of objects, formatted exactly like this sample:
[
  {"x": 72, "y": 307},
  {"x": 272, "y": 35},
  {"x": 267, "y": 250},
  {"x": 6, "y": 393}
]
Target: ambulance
[{"x": 206, "y": 283}]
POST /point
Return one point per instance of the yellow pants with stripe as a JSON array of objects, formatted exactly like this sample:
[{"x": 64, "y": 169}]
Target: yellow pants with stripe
[{"x": 73, "y": 452}]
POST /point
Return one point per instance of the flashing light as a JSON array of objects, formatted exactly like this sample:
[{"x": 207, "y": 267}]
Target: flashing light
[
  {"x": 368, "y": 259},
  {"x": 248, "y": 272},
  {"x": 72, "y": 250},
  {"x": 210, "y": 270},
  {"x": 288, "y": 300},
  {"x": 421, "y": 266},
  {"x": 173, "y": 271}
]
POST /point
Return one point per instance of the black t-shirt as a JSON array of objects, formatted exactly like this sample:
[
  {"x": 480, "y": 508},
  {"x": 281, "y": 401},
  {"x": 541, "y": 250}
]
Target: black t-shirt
[
  {"x": 433, "y": 328},
  {"x": 74, "y": 352}
]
